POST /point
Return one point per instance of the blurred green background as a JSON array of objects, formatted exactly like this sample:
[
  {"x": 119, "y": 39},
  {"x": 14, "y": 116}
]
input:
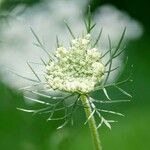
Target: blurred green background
[{"x": 21, "y": 131}]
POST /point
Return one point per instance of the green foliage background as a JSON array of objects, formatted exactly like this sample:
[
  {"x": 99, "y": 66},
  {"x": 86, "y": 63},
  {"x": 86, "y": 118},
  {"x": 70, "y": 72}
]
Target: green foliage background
[{"x": 21, "y": 131}]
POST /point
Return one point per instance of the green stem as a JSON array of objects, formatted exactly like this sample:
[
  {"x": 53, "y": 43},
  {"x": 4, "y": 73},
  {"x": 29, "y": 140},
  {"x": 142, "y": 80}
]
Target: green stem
[{"x": 91, "y": 122}]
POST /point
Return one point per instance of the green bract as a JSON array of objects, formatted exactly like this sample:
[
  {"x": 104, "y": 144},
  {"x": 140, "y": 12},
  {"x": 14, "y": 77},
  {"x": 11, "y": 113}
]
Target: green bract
[{"x": 76, "y": 69}]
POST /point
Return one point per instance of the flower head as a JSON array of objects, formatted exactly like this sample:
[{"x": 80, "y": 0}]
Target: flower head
[
  {"x": 76, "y": 69},
  {"x": 76, "y": 72}
]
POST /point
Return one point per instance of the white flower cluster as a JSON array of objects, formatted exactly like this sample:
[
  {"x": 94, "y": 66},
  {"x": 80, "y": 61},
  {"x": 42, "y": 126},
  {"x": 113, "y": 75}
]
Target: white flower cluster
[{"x": 77, "y": 69}]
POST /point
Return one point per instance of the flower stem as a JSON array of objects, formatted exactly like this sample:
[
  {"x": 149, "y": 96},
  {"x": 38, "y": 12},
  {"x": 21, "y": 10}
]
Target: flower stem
[{"x": 91, "y": 122}]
